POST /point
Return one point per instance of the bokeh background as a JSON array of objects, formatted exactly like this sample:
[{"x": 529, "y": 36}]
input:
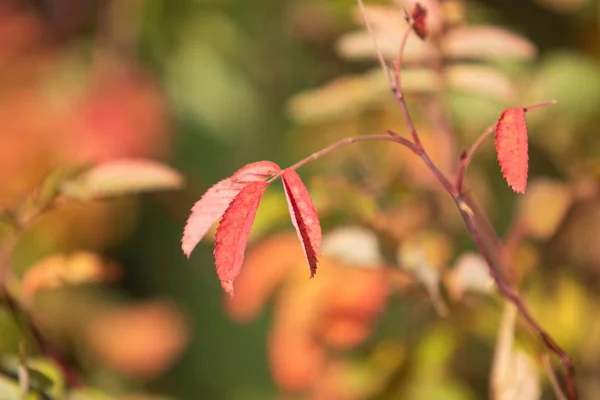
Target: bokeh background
[{"x": 401, "y": 307}]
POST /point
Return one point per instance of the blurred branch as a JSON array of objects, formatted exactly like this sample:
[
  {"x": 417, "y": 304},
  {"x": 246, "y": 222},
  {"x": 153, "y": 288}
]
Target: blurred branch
[
  {"x": 469, "y": 220},
  {"x": 23, "y": 372},
  {"x": 21, "y": 316},
  {"x": 552, "y": 378},
  {"x": 500, "y": 377}
]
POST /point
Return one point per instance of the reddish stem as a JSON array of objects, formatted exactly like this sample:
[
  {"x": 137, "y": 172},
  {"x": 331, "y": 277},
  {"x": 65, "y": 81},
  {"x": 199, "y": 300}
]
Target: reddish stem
[
  {"x": 468, "y": 156},
  {"x": 540, "y": 105},
  {"x": 382, "y": 62},
  {"x": 389, "y": 137},
  {"x": 399, "y": 94},
  {"x": 462, "y": 206}
]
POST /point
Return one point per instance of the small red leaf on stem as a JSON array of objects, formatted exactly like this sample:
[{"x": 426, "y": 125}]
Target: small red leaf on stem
[
  {"x": 304, "y": 217},
  {"x": 419, "y": 17},
  {"x": 233, "y": 231},
  {"x": 215, "y": 201},
  {"x": 512, "y": 148}
]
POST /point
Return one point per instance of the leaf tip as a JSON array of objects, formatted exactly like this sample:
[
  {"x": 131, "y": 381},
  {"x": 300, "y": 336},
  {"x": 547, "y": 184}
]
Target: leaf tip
[{"x": 228, "y": 287}]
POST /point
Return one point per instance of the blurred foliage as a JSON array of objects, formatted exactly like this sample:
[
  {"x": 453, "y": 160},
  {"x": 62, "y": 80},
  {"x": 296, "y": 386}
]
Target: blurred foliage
[{"x": 401, "y": 307}]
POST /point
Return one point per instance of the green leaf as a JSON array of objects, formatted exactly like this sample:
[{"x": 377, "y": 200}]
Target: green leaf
[{"x": 572, "y": 79}]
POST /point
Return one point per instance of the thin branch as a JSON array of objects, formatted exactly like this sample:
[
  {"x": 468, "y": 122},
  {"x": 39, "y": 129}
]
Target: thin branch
[
  {"x": 552, "y": 378},
  {"x": 504, "y": 352},
  {"x": 399, "y": 94},
  {"x": 400, "y": 58},
  {"x": 468, "y": 156},
  {"x": 540, "y": 105},
  {"x": 467, "y": 216},
  {"x": 382, "y": 62},
  {"x": 389, "y": 137}
]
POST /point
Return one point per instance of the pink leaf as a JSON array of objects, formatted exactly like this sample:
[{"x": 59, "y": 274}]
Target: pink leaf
[
  {"x": 304, "y": 217},
  {"x": 233, "y": 231},
  {"x": 215, "y": 201},
  {"x": 512, "y": 148}
]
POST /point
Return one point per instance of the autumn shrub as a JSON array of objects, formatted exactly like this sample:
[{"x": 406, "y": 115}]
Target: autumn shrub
[{"x": 337, "y": 308}]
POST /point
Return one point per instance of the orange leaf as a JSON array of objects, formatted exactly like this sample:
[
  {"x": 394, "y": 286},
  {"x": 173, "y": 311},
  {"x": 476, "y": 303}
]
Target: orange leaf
[
  {"x": 216, "y": 200},
  {"x": 265, "y": 267},
  {"x": 419, "y": 15},
  {"x": 304, "y": 217},
  {"x": 233, "y": 231},
  {"x": 511, "y": 146}
]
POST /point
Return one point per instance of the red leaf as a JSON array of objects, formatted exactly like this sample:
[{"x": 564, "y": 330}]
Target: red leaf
[
  {"x": 233, "y": 231},
  {"x": 419, "y": 17},
  {"x": 304, "y": 217},
  {"x": 216, "y": 200},
  {"x": 511, "y": 146}
]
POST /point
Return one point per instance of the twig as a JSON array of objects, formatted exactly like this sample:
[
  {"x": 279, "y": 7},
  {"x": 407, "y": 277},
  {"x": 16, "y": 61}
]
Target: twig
[
  {"x": 388, "y": 137},
  {"x": 400, "y": 58},
  {"x": 503, "y": 354},
  {"x": 540, "y": 105},
  {"x": 467, "y": 156},
  {"x": 399, "y": 94},
  {"x": 552, "y": 378},
  {"x": 463, "y": 208},
  {"x": 382, "y": 62}
]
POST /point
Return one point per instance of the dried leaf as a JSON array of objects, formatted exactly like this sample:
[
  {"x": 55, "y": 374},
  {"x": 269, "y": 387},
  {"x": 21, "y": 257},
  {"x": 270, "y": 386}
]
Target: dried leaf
[
  {"x": 122, "y": 177},
  {"x": 487, "y": 43},
  {"x": 215, "y": 201},
  {"x": 512, "y": 148},
  {"x": 304, "y": 217},
  {"x": 234, "y": 229},
  {"x": 419, "y": 17}
]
